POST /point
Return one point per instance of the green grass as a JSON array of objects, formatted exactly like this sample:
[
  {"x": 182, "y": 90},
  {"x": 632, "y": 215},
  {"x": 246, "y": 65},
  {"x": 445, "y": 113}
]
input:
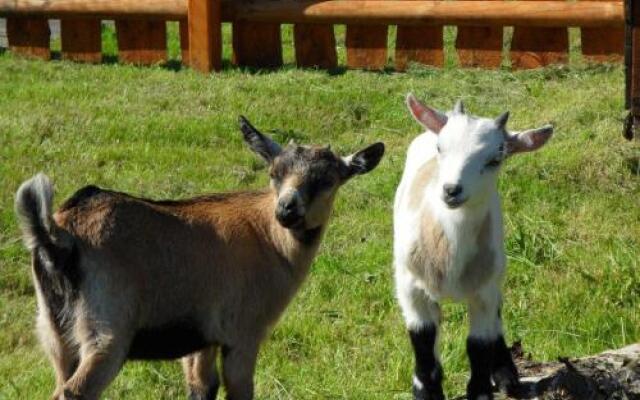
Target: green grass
[{"x": 572, "y": 210}]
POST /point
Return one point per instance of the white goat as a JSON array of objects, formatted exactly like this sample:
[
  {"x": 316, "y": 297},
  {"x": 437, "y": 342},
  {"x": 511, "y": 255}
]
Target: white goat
[
  {"x": 448, "y": 241},
  {"x": 119, "y": 277}
]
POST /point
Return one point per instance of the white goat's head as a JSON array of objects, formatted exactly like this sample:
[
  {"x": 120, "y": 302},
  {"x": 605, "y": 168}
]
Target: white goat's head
[{"x": 471, "y": 149}]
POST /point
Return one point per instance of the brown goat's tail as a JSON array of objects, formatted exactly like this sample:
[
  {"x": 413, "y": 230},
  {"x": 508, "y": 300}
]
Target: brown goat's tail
[{"x": 33, "y": 206}]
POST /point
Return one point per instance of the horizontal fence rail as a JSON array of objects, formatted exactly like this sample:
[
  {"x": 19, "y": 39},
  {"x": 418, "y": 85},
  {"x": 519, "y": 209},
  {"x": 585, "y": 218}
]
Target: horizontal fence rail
[
  {"x": 366, "y": 12},
  {"x": 540, "y": 36}
]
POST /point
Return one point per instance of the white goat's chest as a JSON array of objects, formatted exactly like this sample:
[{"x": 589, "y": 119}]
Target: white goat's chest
[{"x": 449, "y": 253}]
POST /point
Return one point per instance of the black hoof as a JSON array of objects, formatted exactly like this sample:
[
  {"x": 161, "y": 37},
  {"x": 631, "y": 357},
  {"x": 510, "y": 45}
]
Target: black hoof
[{"x": 425, "y": 394}]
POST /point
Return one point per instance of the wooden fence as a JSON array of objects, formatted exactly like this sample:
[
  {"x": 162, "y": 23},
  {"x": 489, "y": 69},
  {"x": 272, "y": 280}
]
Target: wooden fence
[{"x": 540, "y": 35}]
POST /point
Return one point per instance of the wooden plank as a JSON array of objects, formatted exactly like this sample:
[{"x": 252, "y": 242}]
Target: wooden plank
[
  {"x": 257, "y": 44},
  {"x": 184, "y": 41},
  {"x": 543, "y": 13},
  {"x": 142, "y": 42},
  {"x": 29, "y": 37},
  {"x": 533, "y": 47},
  {"x": 315, "y": 46},
  {"x": 422, "y": 45},
  {"x": 366, "y": 47},
  {"x": 81, "y": 40},
  {"x": 603, "y": 44},
  {"x": 205, "y": 35}
]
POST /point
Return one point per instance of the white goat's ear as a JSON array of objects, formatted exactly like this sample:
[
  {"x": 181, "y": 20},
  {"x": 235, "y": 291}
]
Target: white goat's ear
[
  {"x": 258, "y": 142},
  {"x": 426, "y": 116},
  {"x": 364, "y": 160},
  {"x": 529, "y": 140}
]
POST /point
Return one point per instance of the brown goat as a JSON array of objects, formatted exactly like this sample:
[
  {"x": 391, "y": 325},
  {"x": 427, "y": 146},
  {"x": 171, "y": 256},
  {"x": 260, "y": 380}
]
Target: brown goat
[{"x": 119, "y": 277}]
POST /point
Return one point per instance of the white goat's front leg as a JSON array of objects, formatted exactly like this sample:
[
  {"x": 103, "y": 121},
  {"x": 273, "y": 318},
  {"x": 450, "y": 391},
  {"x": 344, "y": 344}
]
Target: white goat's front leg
[
  {"x": 201, "y": 374},
  {"x": 422, "y": 316},
  {"x": 488, "y": 354},
  {"x": 238, "y": 365}
]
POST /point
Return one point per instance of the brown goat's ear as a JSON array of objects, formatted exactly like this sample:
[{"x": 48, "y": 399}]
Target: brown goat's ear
[
  {"x": 364, "y": 160},
  {"x": 426, "y": 116},
  {"x": 529, "y": 140},
  {"x": 258, "y": 142}
]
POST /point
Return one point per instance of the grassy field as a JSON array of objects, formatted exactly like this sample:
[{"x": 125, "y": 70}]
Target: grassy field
[{"x": 572, "y": 210}]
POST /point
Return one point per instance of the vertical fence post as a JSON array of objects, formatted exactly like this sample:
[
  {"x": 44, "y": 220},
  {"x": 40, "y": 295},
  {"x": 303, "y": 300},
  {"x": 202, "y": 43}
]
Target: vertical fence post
[
  {"x": 534, "y": 47},
  {"x": 141, "y": 41},
  {"x": 480, "y": 46},
  {"x": 602, "y": 44},
  {"x": 315, "y": 46},
  {"x": 184, "y": 41},
  {"x": 367, "y": 46},
  {"x": 205, "y": 35},
  {"x": 257, "y": 44},
  {"x": 81, "y": 39},
  {"x": 29, "y": 37},
  {"x": 419, "y": 44},
  {"x": 632, "y": 125}
]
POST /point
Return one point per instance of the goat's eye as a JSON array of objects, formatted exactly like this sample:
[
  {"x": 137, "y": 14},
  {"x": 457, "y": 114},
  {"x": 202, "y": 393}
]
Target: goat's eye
[
  {"x": 438, "y": 148},
  {"x": 494, "y": 163}
]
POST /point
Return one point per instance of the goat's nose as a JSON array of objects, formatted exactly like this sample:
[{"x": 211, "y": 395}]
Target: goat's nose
[
  {"x": 288, "y": 205},
  {"x": 452, "y": 190}
]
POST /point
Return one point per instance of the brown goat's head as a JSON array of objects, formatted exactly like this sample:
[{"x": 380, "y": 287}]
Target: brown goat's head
[{"x": 305, "y": 179}]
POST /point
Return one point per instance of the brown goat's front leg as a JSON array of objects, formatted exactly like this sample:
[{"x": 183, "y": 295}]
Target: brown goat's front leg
[
  {"x": 201, "y": 374},
  {"x": 99, "y": 364},
  {"x": 238, "y": 365}
]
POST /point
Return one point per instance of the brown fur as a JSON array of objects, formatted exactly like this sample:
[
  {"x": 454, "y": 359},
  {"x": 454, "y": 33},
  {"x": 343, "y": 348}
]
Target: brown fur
[
  {"x": 424, "y": 175},
  {"x": 222, "y": 261},
  {"x": 430, "y": 257}
]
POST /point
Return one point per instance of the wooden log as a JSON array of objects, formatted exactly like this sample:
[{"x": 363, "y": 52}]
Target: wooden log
[
  {"x": 142, "y": 42},
  {"x": 184, "y": 42},
  {"x": 542, "y": 13},
  {"x": 81, "y": 40},
  {"x": 422, "y": 45},
  {"x": 533, "y": 47},
  {"x": 205, "y": 35},
  {"x": 257, "y": 44},
  {"x": 366, "y": 47},
  {"x": 602, "y": 44},
  {"x": 315, "y": 46},
  {"x": 29, "y": 37},
  {"x": 480, "y": 46}
]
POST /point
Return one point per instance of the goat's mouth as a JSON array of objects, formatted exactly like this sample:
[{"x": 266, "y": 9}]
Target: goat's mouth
[
  {"x": 291, "y": 221},
  {"x": 454, "y": 202}
]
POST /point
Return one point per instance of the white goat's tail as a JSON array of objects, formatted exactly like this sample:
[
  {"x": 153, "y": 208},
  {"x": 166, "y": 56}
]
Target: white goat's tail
[{"x": 33, "y": 206}]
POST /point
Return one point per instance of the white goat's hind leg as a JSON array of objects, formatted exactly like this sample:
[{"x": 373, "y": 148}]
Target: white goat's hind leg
[
  {"x": 484, "y": 309},
  {"x": 422, "y": 316},
  {"x": 201, "y": 374},
  {"x": 238, "y": 365}
]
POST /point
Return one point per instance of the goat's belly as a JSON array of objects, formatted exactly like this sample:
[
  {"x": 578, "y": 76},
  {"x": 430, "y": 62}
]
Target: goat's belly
[{"x": 169, "y": 341}]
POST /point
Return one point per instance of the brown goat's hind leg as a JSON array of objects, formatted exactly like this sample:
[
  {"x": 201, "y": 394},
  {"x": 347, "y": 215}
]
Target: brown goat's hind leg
[
  {"x": 201, "y": 374},
  {"x": 63, "y": 356},
  {"x": 98, "y": 367},
  {"x": 238, "y": 365}
]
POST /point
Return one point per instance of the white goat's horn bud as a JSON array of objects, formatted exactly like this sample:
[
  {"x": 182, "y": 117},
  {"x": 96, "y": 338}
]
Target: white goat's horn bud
[{"x": 501, "y": 121}]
